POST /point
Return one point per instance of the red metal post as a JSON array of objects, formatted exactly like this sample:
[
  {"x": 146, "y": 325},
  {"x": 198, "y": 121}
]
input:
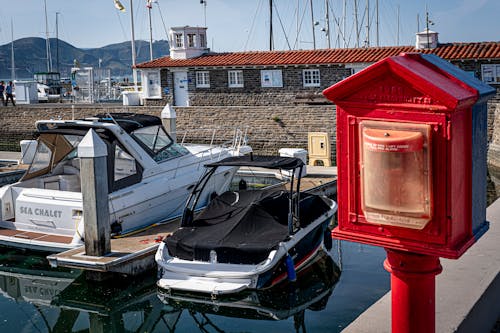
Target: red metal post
[{"x": 413, "y": 284}]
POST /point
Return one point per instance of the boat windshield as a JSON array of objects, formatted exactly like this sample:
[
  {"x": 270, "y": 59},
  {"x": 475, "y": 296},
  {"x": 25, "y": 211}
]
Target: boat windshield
[
  {"x": 50, "y": 151},
  {"x": 161, "y": 147}
]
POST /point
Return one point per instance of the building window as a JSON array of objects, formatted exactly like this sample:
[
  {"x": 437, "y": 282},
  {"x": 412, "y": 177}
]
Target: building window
[
  {"x": 235, "y": 79},
  {"x": 490, "y": 73},
  {"x": 311, "y": 77},
  {"x": 179, "y": 40},
  {"x": 203, "y": 40},
  {"x": 271, "y": 78},
  {"x": 191, "y": 40},
  {"x": 202, "y": 80}
]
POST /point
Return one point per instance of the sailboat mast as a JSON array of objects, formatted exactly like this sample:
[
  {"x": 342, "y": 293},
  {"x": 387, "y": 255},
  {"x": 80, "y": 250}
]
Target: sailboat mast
[
  {"x": 271, "y": 43},
  {"x": 327, "y": 19},
  {"x": 12, "y": 63},
  {"x": 132, "y": 42},
  {"x": 367, "y": 14},
  {"x": 57, "y": 41},
  {"x": 149, "y": 6},
  {"x": 377, "y": 23},
  {"x": 312, "y": 24},
  {"x": 356, "y": 24},
  {"x": 47, "y": 41}
]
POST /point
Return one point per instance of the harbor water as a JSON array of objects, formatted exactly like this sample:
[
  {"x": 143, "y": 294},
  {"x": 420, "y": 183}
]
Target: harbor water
[
  {"x": 327, "y": 296},
  {"x": 330, "y": 293}
]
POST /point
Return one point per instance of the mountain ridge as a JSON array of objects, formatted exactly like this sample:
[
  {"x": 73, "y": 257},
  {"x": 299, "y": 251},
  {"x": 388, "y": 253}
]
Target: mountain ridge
[{"x": 30, "y": 56}]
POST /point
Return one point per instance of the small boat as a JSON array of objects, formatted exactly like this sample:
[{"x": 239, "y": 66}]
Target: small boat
[
  {"x": 250, "y": 237},
  {"x": 149, "y": 180},
  {"x": 311, "y": 291}
]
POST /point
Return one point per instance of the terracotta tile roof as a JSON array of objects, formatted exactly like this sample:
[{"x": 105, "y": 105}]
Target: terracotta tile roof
[{"x": 452, "y": 51}]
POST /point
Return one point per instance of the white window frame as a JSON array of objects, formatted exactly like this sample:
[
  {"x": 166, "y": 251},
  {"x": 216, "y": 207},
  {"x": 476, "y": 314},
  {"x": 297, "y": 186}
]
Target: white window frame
[
  {"x": 179, "y": 39},
  {"x": 311, "y": 77},
  {"x": 203, "y": 40},
  {"x": 490, "y": 73},
  {"x": 271, "y": 78},
  {"x": 191, "y": 40},
  {"x": 202, "y": 79},
  {"x": 235, "y": 79}
]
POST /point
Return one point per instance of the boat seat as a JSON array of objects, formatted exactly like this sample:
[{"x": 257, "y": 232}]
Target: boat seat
[{"x": 69, "y": 183}]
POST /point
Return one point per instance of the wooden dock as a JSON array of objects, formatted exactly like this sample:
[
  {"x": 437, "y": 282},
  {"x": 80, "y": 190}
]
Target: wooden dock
[{"x": 134, "y": 254}]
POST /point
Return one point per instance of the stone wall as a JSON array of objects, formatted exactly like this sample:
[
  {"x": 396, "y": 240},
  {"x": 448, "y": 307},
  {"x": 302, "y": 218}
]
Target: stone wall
[
  {"x": 252, "y": 93},
  {"x": 269, "y": 128}
]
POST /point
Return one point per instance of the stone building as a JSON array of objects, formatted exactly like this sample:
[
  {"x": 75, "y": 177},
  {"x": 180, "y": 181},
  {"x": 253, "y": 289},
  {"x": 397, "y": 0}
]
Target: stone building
[{"x": 193, "y": 76}]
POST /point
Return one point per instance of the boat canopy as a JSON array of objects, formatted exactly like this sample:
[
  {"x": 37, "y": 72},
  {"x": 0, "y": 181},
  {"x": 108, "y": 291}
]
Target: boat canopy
[
  {"x": 242, "y": 227},
  {"x": 130, "y": 121},
  {"x": 269, "y": 162}
]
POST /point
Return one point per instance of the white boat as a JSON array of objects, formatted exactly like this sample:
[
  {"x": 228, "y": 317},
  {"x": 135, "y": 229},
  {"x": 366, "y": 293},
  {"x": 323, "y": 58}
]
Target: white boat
[
  {"x": 149, "y": 180},
  {"x": 250, "y": 237},
  {"x": 311, "y": 292}
]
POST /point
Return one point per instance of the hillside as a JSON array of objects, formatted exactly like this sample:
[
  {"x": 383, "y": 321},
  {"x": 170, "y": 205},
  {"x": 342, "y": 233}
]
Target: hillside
[{"x": 30, "y": 56}]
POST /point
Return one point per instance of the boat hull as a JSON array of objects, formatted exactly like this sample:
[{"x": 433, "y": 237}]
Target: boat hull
[{"x": 220, "y": 278}]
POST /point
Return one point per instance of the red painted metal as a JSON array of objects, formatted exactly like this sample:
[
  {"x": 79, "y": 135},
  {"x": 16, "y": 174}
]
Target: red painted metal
[
  {"x": 413, "y": 291},
  {"x": 408, "y": 90}
]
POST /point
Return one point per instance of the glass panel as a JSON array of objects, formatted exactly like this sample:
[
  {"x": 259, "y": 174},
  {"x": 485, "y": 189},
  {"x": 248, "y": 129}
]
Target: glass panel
[
  {"x": 124, "y": 164},
  {"x": 43, "y": 156},
  {"x": 159, "y": 143}
]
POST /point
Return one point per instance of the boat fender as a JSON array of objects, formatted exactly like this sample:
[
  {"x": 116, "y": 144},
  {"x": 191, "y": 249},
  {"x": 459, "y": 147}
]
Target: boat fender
[{"x": 290, "y": 268}]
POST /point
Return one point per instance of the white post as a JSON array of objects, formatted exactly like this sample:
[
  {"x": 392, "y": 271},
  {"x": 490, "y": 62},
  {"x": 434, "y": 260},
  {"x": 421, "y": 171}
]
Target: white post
[
  {"x": 93, "y": 152},
  {"x": 168, "y": 119}
]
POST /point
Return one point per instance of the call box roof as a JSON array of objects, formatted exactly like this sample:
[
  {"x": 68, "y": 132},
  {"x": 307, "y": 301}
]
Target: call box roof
[{"x": 412, "y": 80}]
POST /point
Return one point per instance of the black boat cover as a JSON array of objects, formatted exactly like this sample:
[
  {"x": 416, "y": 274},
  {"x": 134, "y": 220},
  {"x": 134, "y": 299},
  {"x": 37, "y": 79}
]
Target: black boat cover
[
  {"x": 129, "y": 121},
  {"x": 241, "y": 227},
  {"x": 269, "y": 162}
]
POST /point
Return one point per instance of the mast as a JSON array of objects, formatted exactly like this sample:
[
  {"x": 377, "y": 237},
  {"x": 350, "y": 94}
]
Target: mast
[
  {"x": 271, "y": 43},
  {"x": 57, "y": 42},
  {"x": 312, "y": 24},
  {"x": 344, "y": 22},
  {"x": 47, "y": 41},
  {"x": 149, "y": 6},
  {"x": 356, "y": 23},
  {"x": 377, "y": 23},
  {"x": 12, "y": 63},
  {"x": 397, "y": 38},
  {"x": 132, "y": 42},
  {"x": 367, "y": 14},
  {"x": 327, "y": 18}
]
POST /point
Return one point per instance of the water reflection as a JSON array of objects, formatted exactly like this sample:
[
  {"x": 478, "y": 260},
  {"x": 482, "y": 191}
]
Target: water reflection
[
  {"x": 35, "y": 297},
  {"x": 310, "y": 292},
  {"x": 51, "y": 300}
]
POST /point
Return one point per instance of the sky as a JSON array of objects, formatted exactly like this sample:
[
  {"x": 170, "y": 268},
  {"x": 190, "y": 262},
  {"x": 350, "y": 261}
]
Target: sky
[{"x": 243, "y": 25}]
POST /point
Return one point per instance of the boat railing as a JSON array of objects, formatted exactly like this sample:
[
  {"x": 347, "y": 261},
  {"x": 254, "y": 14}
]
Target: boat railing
[{"x": 232, "y": 138}]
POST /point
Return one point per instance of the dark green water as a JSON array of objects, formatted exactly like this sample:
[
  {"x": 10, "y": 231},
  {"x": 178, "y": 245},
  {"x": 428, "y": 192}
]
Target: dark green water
[{"x": 326, "y": 298}]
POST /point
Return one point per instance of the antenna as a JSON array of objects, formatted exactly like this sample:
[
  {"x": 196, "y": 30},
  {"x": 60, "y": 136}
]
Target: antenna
[{"x": 204, "y": 3}]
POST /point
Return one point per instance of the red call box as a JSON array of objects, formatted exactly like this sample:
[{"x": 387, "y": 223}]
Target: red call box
[{"x": 411, "y": 156}]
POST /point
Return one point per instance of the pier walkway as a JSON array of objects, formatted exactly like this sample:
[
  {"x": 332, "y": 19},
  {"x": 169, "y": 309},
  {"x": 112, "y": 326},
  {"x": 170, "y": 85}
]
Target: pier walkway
[{"x": 467, "y": 291}]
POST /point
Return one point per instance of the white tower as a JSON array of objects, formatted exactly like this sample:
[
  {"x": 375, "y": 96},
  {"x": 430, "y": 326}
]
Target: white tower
[{"x": 188, "y": 42}]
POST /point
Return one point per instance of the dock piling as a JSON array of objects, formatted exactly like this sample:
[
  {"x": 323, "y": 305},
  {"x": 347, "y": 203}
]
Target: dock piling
[{"x": 92, "y": 152}]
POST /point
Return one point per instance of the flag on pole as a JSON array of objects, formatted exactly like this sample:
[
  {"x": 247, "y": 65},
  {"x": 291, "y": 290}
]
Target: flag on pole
[{"x": 119, "y": 6}]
